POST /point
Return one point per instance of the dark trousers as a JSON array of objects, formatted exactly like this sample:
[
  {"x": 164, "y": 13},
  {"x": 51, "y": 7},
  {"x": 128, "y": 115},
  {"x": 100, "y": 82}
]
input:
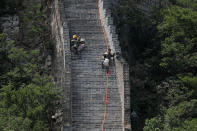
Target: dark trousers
[{"x": 104, "y": 67}]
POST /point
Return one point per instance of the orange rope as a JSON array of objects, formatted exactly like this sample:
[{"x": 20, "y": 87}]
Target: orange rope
[
  {"x": 107, "y": 47},
  {"x": 106, "y": 94},
  {"x": 102, "y": 25}
]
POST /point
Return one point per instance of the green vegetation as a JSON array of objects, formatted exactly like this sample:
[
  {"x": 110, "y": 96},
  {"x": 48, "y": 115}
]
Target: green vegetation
[
  {"x": 178, "y": 30},
  {"x": 162, "y": 51},
  {"x": 28, "y": 97}
]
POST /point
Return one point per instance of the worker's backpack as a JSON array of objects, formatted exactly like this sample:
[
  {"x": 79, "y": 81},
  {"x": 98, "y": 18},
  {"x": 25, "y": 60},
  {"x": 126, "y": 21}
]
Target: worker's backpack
[{"x": 106, "y": 62}]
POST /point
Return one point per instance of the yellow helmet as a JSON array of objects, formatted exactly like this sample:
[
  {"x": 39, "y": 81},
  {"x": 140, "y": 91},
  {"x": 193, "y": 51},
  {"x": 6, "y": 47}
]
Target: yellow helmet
[{"x": 74, "y": 36}]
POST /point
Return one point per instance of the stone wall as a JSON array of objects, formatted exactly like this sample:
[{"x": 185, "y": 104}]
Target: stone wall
[
  {"x": 62, "y": 59},
  {"x": 122, "y": 68}
]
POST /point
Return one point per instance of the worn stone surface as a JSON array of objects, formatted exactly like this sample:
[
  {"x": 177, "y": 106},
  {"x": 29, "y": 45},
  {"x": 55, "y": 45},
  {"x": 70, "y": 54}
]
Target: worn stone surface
[
  {"x": 88, "y": 79},
  {"x": 80, "y": 76}
]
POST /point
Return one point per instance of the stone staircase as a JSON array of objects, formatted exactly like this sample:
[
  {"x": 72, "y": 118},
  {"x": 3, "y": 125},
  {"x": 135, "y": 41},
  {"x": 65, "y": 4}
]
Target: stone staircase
[{"x": 88, "y": 78}]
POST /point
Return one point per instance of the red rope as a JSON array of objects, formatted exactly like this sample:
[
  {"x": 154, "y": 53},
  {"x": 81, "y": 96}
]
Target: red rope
[
  {"x": 102, "y": 25},
  {"x": 106, "y": 94},
  {"x": 107, "y": 46}
]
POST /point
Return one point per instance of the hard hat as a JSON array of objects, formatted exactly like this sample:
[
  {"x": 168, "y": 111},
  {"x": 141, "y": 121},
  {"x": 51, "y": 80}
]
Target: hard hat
[{"x": 74, "y": 36}]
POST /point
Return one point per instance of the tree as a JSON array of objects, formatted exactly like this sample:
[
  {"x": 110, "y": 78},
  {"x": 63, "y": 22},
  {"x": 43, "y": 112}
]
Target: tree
[
  {"x": 28, "y": 99},
  {"x": 165, "y": 90},
  {"x": 175, "y": 116},
  {"x": 29, "y": 106},
  {"x": 187, "y": 3},
  {"x": 180, "y": 117},
  {"x": 134, "y": 28},
  {"x": 153, "y": 124},
  {"x": 179, "y": 33}
]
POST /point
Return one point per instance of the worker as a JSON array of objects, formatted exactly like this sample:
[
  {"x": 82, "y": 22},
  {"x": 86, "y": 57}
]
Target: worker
[
  {"x": 79, "y": 39},
  {"x": 108, "y": 54},
  {"x": 75, "y": 43},
  {"x": 107, "y": 57}
]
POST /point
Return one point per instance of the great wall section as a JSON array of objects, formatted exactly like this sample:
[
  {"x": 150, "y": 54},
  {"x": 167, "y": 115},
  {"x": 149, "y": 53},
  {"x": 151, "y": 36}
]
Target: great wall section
[{"x": 81, "y": 77}]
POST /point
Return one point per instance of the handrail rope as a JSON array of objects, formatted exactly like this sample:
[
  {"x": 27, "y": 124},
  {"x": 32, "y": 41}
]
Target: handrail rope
[
  {"x": 106, "y": 94},
  {"x": 107, "y": 47},
  {"x": 102, "y": 25}
]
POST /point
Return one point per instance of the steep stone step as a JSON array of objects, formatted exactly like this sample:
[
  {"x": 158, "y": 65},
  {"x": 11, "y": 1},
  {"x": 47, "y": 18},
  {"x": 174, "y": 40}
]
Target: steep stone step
[
  {"x": 88, "y": 78},
  {"x": 84, "y": 5},
  {"x": 90, "y": 16},
  {"x": 81, "y": 11},
  {"x": 80, "y": 1},
  {"x": 85, "y": 27},
  {"x": 84, "y": 22},
  {"x": 86, "y": 33}
]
